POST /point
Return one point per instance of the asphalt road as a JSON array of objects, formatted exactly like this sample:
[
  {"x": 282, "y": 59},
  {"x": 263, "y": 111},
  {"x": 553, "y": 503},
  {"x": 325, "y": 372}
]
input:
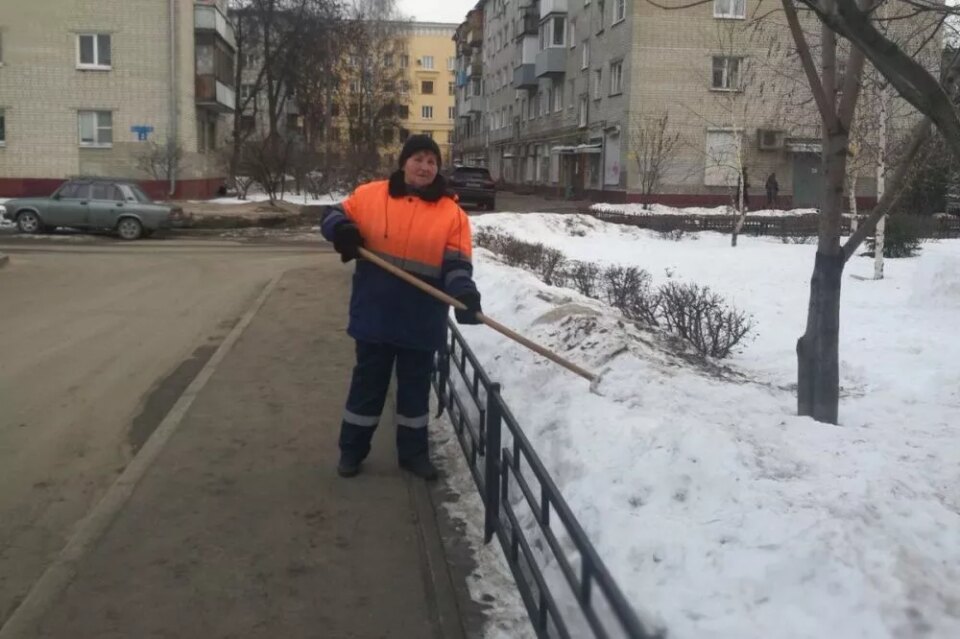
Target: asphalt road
[{"x": 97, "y": 340}]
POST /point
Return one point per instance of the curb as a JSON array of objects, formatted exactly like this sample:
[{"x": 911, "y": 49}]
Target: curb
[
  {"x": 4, "y": 259},
  {"x": 62, "y": 570}
]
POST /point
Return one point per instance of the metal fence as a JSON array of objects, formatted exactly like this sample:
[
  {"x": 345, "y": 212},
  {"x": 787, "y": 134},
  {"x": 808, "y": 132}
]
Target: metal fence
[
  {"x": 567, "y": 593},
  {"x": 941, "y": 227}
]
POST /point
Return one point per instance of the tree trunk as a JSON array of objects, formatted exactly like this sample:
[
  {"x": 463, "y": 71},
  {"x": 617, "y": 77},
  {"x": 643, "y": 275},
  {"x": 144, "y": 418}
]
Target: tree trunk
[{"x": 818, "y": 350}]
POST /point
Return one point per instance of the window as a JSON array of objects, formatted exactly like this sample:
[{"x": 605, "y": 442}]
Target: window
[
  {"x": 404, "y": 61},
  {"x": 96, "y": 128},
  {"x": 403, "y": 111},
  {"x": 104, "y": 191},
  {"x": 559, "y": 31},
  {"x": 387, "y": 136},
  {"x": 404, "y": 134},
  {"x": 3, "y": 128},
  {"x": 558, "y": 97},
  {"x": 427, "y": 61},
  {"x": 389, "y": 86},
  {"x": 573, "y": 34},
  {"x": 334, "y": 135},
  {"x": 426, "y": 87},
  {"x": 426, "y": 112},
  {"x": 451, "y": 64},
  {"x": 353, "y": 110},
  {"x": 585, "y": 55},
  {"x": 335, "y": 110},
  {"x": 246, "y": 90},
  {"x": 729, "y": 8},
  {"x": 597, "y": 84},
  {"x": 429, "y": 134},
  {"x": 721, "y": 158},
  {"x": 1, "y": 48},
  {"x": 601, "y": 13},
  {"x": 93, "y": 51},
  {"x": 250, "y": 60},
  {"x": 354, "y": 86},
  {"x": 452, "y": 113},
  {"x": 404, "y": 86},
  {"x": 451, "y": 88},
  {"x": 572, "y": 84},
  {"x": 388, "y": 59},
  {"x": 247, "y": 123},
  {"x": 620, "y": 10},
  {"x": 582, "y": 116},
  {"x": 726, "y": 73},
  {"x": 616, "y": 77}
]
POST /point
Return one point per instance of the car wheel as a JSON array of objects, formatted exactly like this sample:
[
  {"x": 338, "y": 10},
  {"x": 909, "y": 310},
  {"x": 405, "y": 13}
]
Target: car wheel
[
  {"x": 129, "y": 228},
  {"x": 28, "y": 222}
]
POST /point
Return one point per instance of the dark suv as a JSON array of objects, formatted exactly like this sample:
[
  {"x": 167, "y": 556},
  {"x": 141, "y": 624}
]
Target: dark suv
[{"x": 474, "y": 184}]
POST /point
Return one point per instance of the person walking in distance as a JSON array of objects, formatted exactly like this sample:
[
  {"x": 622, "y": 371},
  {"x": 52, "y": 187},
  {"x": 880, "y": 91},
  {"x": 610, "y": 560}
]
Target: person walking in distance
[
  {"x": 414, "y": 222},
  {"x": 773, "y": 188}
]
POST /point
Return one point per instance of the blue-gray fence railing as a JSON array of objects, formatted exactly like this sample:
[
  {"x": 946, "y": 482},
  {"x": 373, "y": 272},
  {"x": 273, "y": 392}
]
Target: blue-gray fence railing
[{"x": 478, "y": 423}]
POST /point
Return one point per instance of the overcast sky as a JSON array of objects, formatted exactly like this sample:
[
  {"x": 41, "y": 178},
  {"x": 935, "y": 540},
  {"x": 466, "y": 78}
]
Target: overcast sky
[{"x": 453, "y": 11}]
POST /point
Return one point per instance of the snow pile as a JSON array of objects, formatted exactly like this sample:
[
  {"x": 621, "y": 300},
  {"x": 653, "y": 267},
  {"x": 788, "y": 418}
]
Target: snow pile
[
  {"x": 937, "y": 282},
  {"x": 719, "y": 512},
  {"x": 291, "y": 198},
  {"x": 660, "y": 209},
  {"x": 4, "y": 223}
]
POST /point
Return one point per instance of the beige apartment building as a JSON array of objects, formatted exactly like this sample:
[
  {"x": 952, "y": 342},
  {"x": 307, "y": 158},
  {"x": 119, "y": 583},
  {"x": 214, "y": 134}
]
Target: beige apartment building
[
  {"x": 553, "y": 95},
  {"x": 432, "y": 77},
  {"x": 88, "y": 87}
]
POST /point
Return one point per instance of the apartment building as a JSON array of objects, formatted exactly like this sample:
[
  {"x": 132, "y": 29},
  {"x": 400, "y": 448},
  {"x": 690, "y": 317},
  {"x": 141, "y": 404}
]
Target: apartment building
[
  {"x": 587, "y": 80},
  {"x": 87, "y": 85},
  {"x": 431, "y": 77}
]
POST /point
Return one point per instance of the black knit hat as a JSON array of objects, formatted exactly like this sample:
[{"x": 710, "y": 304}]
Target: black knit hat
[{"x": 416, "y": 143}]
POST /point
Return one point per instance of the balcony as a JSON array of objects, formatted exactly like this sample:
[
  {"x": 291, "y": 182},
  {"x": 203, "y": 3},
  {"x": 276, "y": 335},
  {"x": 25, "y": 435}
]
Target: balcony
[
  {"x": 469, "y": 106},
  {"x": 213, "y": 94},
  {"x": 552, "y": 6},
  {"x": 528, "y": 23},
  {"x": 552, "y": 62},
  {"x": 208, "y": 19},
  {"x": 525, "y": 77},
  {"x": 475, "y": 68}
]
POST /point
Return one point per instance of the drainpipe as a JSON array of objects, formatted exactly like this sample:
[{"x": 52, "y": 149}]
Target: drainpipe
[{"x": 172, "y": 134}]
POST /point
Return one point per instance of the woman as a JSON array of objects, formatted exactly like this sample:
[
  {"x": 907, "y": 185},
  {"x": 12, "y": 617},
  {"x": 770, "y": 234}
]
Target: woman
[{"x": 413, "y": 222}]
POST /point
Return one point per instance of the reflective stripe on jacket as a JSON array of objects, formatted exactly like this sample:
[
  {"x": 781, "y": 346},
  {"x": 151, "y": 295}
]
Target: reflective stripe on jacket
[{"x": 426, "y": 234}]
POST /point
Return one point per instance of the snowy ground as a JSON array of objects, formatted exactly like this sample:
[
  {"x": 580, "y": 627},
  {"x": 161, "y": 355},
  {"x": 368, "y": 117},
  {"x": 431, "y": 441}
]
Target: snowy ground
[
  {"x": 660, "y": 209},
  {"x": 720, "y": 512}
]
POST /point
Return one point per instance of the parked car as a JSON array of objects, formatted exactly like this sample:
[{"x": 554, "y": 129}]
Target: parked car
[
  {"x": 474, "y": 184},
  {"x": 93, "y": 204}
]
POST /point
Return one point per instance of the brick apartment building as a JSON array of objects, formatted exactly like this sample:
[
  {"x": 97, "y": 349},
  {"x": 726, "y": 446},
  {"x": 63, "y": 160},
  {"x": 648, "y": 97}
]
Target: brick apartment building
[{"x": 87, "y": 85}]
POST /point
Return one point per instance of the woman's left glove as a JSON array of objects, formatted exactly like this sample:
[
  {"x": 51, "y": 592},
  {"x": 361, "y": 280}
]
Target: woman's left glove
[{"x": 471, "y": 300}]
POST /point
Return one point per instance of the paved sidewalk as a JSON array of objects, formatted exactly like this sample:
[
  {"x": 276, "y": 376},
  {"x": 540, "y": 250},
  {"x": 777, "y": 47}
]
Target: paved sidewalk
[{"x": 241, "y": 527}]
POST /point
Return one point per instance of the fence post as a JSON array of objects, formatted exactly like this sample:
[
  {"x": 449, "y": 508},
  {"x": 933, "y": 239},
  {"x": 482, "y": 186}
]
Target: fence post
[
  {"x": 492, "y": 458},
  {"x": 443, "y": 375}
]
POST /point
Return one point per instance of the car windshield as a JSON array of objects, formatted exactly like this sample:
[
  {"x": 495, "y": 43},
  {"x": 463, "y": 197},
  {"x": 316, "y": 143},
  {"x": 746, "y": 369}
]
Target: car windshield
[{"x": 471, "y": 173}]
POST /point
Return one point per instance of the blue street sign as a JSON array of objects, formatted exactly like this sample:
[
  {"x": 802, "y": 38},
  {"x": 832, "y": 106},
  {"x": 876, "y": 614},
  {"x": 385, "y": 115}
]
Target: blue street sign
[{"x": 142, "y": 131}]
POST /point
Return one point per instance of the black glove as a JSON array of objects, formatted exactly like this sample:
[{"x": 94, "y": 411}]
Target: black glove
[
  {"x": 471, "y": 300},
  {"x": 346, "y": 241}
]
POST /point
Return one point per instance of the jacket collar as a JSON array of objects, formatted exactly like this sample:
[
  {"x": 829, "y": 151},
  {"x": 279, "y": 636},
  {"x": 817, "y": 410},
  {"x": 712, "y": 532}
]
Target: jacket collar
[{"x": 432, "y": 193}]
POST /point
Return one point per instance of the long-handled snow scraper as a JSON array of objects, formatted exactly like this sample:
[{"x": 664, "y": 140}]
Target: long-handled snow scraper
[{"x": 495, "y": 325}]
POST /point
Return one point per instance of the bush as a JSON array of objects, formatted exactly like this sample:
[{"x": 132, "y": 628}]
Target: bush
[
  {"x": 901, "y": 237},
  {"x": 695, "y": 314},
  {"x": 585, "y": 277},
  {"x": 701, "y": 318}
]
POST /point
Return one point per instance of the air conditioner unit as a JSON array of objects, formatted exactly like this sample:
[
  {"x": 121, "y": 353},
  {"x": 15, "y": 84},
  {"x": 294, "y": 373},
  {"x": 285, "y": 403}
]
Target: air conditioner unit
[{"x": 770, "y": 139}]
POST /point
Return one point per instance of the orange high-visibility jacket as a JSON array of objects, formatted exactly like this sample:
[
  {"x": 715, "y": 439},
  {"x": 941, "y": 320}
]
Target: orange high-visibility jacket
[{"x": 425, "y": 233}]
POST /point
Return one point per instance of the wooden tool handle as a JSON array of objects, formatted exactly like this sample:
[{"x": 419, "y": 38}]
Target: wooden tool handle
[{"x": 495, "y": 325}]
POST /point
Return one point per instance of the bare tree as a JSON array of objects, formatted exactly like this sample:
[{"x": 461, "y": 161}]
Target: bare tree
[
  {"x": 652, "y": 144},
  {"x": 160, "y": 161},
  {"x": 818, "y": 380},
  {"x": 372, "y": 90}
]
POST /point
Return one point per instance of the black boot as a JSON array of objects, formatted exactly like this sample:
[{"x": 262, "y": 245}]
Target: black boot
[
  {"x": 347, "y": 467},
  {"x": 420, "y": 466}
]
